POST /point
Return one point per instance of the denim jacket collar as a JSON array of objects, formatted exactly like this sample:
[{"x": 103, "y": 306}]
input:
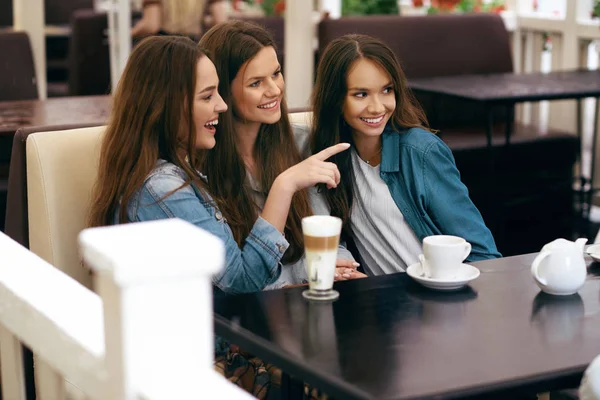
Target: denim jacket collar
[{"x": 390, "y": 156}]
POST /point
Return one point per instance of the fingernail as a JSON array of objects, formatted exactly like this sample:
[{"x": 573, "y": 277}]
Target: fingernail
[
  {"x": 356, "y": 264},
  {"x": 346, "y": 275},
  {"x": 337, "y": 275},
  {"x": 348, "y": 271}
]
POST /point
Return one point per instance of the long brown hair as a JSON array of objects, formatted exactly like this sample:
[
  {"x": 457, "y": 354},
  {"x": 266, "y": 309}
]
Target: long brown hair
[
  {"x": 328, "y": 98},
  {"x": 151, "y": 119},
  {"x": 233, "y": 44}
]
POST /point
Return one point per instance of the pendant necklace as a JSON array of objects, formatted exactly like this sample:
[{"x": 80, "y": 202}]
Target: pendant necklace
[{"x": 376, "y": 154}]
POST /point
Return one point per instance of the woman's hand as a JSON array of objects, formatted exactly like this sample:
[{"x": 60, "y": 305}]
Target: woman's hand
[
  {"x": 305, "y": 174},
  {"x": 312, "y": 171},
  {"x": 346, "y": 270}
]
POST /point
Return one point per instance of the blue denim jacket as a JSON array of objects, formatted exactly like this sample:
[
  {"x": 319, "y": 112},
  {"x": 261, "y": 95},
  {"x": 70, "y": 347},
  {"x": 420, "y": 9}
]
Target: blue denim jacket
[
  {"x": 249, "y": 268},
  {"x": 425, "y": 184}
]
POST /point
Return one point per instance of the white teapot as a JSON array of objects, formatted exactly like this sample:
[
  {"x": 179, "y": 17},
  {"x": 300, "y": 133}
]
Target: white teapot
[{"x": 560, "y": 268}]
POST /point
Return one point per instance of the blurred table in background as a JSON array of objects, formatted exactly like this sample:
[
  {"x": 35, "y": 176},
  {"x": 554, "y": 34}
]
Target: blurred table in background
[{"x": 53, "y": 111}]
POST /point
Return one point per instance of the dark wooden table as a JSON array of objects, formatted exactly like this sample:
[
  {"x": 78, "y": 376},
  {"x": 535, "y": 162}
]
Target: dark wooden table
[
  {"x": 53, "y": 111},
  {"x": 509, "y": 89},
  {"x": 389, "y": 338},
  {"x": 506, "y": 90}
]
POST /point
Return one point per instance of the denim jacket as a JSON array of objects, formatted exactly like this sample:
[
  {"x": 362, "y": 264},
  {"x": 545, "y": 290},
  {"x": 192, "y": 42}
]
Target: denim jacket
[
  {"x": 247, "y": 269},
  {"x": 425, "y": 184}
]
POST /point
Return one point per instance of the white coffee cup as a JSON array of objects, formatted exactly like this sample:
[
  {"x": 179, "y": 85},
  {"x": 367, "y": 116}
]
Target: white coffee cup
[{"x": 443, "y": 256}]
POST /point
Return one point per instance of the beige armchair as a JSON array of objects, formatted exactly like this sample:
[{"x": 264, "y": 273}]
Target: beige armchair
[{"x": 61, "y": 171}]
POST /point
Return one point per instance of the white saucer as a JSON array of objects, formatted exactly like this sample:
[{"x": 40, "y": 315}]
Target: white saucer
[
  {"x": 466, "y": 274},
  {"x": 594, "y": 252}
]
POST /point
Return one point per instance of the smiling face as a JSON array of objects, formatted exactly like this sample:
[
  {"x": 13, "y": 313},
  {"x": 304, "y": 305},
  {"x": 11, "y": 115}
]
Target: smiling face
[
  {"x": 207, "y": 103},
  {"x": 258, "y": 88},
  {"x": 370, "y": 99}
]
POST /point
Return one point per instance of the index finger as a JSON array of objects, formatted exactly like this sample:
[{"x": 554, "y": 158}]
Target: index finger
[{"x": 331, "y": 151}]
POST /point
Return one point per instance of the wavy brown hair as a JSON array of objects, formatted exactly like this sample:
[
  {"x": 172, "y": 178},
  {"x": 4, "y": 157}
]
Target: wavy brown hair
[
  {"x": 328, "y": 98},
  {"x": 151, "y": 119},
  {"x": 233, "y": 44}
]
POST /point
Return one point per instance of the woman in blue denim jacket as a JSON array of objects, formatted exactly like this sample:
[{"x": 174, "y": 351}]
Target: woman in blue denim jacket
[
  {"x": 399, "y": 182},
  {"x": 251, "y": 167},
  {"x": 165, "y": 109}
]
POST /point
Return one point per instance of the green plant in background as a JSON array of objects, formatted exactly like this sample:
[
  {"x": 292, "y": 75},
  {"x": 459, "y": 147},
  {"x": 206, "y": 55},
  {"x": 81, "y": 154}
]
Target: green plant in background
[
  {"x": 596, "y": 9},
  {"x": 369, "y": 7},
  {"x": 270, "y": 7}
]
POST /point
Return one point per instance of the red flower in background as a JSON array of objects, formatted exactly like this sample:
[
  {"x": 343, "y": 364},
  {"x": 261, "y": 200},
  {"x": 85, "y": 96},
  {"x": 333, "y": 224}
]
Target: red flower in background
[{"x": 279, "y": 8}]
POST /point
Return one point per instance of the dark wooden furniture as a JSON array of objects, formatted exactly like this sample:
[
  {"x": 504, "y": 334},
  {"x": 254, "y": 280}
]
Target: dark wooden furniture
[
  {"x": 389, "y": 338},
  {"x": 506, "y": 90},
  {"x": 89, "y": 55},
  {"x": 92, "y": 110},
  {"x": 59, "y": 111},
  {"x": 18, "y": 78}
]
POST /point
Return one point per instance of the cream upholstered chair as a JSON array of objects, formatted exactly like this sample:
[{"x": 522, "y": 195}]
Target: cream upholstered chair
[{"x": 61, "y": 171}]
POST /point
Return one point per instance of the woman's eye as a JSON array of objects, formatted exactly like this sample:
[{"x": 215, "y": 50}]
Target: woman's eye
[
  {"x": 276, "y": 74},
  {"x": 207, "y": 98},
  {"x": 255, "y": 84},
  {"x": 360, "y": 95},
  {"x": 388, "y": 90}
]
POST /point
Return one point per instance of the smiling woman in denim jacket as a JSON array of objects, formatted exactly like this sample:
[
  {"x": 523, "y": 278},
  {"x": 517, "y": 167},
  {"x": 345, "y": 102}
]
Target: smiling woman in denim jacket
[
  {"x": 257, "y": 164},
  {"x": 165, "y": 109},
  {"x": 399, "y": 181}
]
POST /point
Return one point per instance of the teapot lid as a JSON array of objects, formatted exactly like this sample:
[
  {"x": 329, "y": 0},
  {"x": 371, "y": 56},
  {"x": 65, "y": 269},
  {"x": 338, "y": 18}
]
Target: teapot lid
[{"x": 561, "y": 243}]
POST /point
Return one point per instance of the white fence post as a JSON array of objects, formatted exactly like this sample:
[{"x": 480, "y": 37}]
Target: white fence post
[
  {"x": 299, "y": 62},
  {"x": 155, "y": 281},
  {"x": 119, "y": 37},
  {"x": 11, "y": 354},
  {"x": 28, "y": 16}
]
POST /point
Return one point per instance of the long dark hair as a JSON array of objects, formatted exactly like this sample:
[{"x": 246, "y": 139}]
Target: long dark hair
[
  {"x": 151, "y": 119},
  {"x": 328, "y": 98},
  {"x": 232, "y": 44}
]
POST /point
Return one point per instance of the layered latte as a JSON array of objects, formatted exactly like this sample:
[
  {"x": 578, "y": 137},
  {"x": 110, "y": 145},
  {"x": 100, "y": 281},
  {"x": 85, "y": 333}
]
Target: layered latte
[{"x": 321, "y": 240}]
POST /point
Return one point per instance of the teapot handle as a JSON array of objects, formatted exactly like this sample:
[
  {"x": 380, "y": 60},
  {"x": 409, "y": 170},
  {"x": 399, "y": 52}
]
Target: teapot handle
[{"x": 536, "y": 264}]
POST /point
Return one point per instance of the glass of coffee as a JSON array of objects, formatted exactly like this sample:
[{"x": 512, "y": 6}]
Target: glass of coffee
[{"x": 321, "y": 240}]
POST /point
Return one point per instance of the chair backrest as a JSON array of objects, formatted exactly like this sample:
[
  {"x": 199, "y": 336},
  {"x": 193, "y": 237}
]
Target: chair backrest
[
  {"x": 89, "y": 59},
  {"x": 58, "y": 12},
  {"x": 18, "y": 78},
  {"x": 61, "y": 171},
  {"x": 6, "y": 14},
  {"x": 17, "y": 225},
  {"x": 437, "y": 45}
]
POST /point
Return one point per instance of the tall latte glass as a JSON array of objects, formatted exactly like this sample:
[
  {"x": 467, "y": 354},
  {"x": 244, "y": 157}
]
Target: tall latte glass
[{"x": 321, "y": 239}]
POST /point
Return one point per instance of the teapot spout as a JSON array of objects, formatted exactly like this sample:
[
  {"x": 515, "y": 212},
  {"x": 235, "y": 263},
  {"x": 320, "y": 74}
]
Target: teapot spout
[{"x": 581, "y": 243}]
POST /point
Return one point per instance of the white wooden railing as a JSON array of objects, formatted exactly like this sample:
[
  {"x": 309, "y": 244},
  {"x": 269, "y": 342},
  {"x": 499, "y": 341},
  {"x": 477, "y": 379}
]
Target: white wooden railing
[{"x": 148, "y": 333}]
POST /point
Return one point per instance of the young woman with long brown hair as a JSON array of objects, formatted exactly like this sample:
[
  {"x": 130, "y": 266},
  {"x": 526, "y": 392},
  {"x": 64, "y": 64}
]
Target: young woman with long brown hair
[
  {"x": 399, "y": 182},
  {"x": 165, "y": 110},
  {"x": 256, "y": 162}
]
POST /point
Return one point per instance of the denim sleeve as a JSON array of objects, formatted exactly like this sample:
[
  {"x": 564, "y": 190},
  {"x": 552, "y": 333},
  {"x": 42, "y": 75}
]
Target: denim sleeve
[
  {"x": 320, "y": 207},
  {"x": 247, "y": 269},
  {"x": 448, "y": 203}
]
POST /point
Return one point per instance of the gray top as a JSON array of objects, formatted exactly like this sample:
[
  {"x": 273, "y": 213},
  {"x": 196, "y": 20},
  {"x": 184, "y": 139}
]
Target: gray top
[
  {"x": 384, "y": 239},
  {"x": 293, "y": 274}
]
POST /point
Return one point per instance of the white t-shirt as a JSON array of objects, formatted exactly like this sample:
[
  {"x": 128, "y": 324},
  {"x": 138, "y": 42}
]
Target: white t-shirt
[{"x": 386, "y": 243}]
